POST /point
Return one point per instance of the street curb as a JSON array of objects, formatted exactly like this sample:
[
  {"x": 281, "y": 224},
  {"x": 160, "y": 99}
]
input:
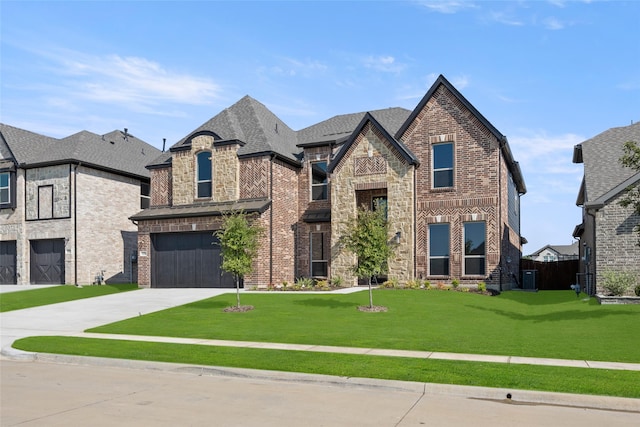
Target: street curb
[{"x": 506, "y": 396}]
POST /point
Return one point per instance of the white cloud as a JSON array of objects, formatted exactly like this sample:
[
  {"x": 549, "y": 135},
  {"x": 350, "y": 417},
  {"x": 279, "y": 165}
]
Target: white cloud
[
  {"x": 552, "y": 23},
  {"x": 290, "y": 67},
  {"x": 447, "y": 6},
  {"x": 505, "y": 19},
  {"x": 385, "y": 64}
]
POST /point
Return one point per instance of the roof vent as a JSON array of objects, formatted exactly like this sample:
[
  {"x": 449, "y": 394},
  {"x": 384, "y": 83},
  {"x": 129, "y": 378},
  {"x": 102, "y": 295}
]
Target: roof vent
[{"x": 126, "y": 134}]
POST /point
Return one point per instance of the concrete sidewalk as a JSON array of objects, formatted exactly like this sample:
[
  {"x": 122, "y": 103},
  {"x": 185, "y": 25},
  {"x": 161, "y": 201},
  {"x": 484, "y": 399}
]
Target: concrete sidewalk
[{"x": 74, "y": 317}]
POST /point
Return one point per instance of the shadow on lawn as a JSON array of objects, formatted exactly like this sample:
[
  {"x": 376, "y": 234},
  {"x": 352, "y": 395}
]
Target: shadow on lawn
[
  {"x": 569, "y": 315},
  {"x": 208, "y": 304},
  {"x": 325, "y": 302}
]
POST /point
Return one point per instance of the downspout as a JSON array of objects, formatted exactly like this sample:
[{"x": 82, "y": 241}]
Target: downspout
[
  {"x": 273, "y": 156},
  {"x": 415, "y": 223},
  {"x": 591, "y": 263},
  {"x": 75, "y": 223},
  {"x": 499, "y": 222}
]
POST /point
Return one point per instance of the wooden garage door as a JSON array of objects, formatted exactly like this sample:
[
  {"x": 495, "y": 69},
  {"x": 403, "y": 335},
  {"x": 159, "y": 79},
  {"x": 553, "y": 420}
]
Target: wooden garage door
[
  {"x": 8, "y": 263},
  {"x": 187, "y": 260},
  {"x": 47, "y": 262}
]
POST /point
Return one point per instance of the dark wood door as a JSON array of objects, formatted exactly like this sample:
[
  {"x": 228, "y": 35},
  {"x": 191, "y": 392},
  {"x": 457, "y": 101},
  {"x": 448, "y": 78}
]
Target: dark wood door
[
  {"x": 8, "y": 263},
  {"x": 47, "y": 262},
  {"x": 187, "y": 260}
]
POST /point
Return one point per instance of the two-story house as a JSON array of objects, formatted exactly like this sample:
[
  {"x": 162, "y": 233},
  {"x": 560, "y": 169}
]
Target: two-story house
[
  {"x": 443, "y": 174},
  {"x": 65, "y": 206},
  {"x": 608, "y": 240}
]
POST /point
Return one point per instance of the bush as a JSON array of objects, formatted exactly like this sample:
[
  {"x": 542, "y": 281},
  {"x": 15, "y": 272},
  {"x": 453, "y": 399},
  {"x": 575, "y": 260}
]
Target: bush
[
  {"x": 427, "y": 285},
  {"x": 337, "y": 281},
  {"x": 413, "y": 284},
  {"x": 322, "y": 285},
  {"x": 637, "y": 290},
  {"x": 616, "y": 283},
  {"x": 391, "y": 284},
  {"x": 304, "y": 282},
  {"x": 455, "y": 283},
  {"x": 482, "y": 287}
]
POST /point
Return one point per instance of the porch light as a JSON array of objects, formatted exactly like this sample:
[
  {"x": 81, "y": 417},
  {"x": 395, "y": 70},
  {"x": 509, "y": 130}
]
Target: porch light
[{"x": 397, "y": 237}]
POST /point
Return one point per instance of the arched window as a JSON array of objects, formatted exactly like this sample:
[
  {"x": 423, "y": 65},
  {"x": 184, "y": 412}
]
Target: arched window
[{"x": 203, "y": 160}]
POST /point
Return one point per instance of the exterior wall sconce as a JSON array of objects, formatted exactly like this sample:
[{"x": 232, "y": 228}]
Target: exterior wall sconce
[{"x": 396, "y": 238}]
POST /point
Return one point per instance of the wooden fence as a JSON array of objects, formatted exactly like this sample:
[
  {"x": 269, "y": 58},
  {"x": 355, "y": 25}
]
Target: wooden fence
[{"x": 550, "y": 276}]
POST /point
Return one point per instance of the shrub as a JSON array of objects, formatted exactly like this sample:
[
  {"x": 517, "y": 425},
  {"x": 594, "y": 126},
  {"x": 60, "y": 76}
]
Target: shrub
[
  {"x": 482, "y": 287},
  {"x": 617, "y": 282},
  {"x": 427, "y": 285},
  {"x": 337, "y": 281},
  {"x": 637, "y": 290},
  {"x": 413, "y": 284},
  {"x": 322, "y": 285},
  {"x": 304, "y": 282},
  {"x": 455, "y": 283},
  {"x": 391, "y": 284}
]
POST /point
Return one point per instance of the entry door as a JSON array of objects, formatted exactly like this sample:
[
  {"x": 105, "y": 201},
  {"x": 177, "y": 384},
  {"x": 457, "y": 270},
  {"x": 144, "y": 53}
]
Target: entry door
[
  {"x": 8, "y": 263},
  {"x": 47, "y": 262}
]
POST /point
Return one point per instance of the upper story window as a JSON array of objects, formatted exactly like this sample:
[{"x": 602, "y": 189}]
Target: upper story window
[
  {"x": 319, "y": 181},
  {"x": 475, "y": 248},
  {"x": 204, "y": 174},
  {"x": 6, "y": 190},
  {"x": 145, "y": 195},
  {"x": 442, "y": 165}
]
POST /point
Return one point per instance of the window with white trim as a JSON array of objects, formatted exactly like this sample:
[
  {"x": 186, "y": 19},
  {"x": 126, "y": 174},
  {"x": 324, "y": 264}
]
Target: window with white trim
[
  {"x": 475, "y": 248},
  {"x": 203, "y": 160},
  {"x": 319, "y": 181},
  {"x": 319, "y": 255},
  {"x": 439, "y": 236},
  {"x": 442, "y": 165}
]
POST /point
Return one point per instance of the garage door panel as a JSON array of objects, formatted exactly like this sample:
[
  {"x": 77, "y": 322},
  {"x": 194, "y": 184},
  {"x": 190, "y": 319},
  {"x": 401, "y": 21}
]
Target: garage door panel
[
  {"x": 189, "y": 260},
  {"x": 8, "y": 263},
  {"x": 47, "y": 261}
]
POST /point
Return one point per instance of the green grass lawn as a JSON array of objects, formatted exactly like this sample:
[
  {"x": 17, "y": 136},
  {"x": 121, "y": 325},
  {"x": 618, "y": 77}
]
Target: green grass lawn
[
  {"x": 553, "y": 324},
  {"x": 522, "y": 377},
  {"x": 51, "y": 295}
]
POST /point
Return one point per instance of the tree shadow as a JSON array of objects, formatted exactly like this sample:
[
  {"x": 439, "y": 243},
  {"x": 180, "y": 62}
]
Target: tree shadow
[
  {"x": 569, "y": 315},
  {"x": 325, "y": 302},
  {"x": 207, "y": 304}
]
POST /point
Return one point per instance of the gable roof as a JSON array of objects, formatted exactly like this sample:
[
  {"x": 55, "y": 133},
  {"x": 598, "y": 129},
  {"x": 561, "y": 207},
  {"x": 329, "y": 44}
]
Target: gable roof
[
  {"x": 252, "y": 123},
  {"x": 116, "y": 151},
  {"x": 566, "y": 250},
  {"x": 604, "y": 175},
  {"x": 339, "y": 128},
  {"x": 404, "y": 152},
  {"x": 512, "y": 165}
]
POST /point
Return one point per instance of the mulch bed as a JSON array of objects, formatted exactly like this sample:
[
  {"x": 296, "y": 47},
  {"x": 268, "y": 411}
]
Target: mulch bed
[
  {"x": 374, "y": 309},
  {"x": 236, "y": 309}
]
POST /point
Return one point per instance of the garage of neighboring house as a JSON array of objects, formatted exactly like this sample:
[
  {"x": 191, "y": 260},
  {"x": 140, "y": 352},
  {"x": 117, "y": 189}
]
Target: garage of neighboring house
[
  {"x": 187, "y": 260},
  {"x": 47, "y": 262},
  {"x": 8, "y": 263}
]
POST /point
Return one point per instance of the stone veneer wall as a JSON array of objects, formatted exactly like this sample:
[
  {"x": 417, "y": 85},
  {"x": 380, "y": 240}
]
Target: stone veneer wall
[
  {"x": 616, "y": 242},
  {"x": 58, "y": 179},
  {"x": 398, "y": 178}
]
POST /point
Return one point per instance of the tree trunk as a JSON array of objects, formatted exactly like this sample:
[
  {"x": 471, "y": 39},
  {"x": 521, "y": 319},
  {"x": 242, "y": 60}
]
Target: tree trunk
[
  {"x": 370, "y": 294},
  {"x": 237, "y": 291}
]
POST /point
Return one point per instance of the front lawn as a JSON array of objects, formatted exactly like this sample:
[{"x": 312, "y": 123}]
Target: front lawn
[
  {"x": 553, "y": 324},
  {"x": 44, "y": 296},
  {"x": 510, "y": 377}
]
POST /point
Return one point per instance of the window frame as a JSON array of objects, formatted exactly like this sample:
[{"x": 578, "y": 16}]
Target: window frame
[
  {"x": 201, "y": 183},
  {"x": 9, "y": 189},
  {"x": 324, "y": 184},
  {"x": 434, "y": 170},
  {"x": 323, "y": 250},
  {"x": 468, "y": 256},
  {"x": 145, "y": 195},
  {"x": 446, "y": 257}
]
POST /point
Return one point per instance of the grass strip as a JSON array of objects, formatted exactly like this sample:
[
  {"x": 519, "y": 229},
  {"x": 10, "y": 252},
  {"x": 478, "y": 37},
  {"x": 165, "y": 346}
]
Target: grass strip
[
  {"x": 551, "y": 324},
  {"x": 523, "y": 377},
  {"x": 51, "y": 295}
]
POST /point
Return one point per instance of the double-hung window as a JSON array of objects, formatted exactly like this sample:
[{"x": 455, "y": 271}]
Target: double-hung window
[
  {"x": 474, "y": 248},
  {"x": 319, "y": 181},
  {"x": 442, "y": 165},
  {"x": 204, "y": 174},
  {"x": 439, "y": 249},
  {"x": 319, "y": 255},
  {"x": 145, "y": 195},
  {"x": 6, "y": 190}
]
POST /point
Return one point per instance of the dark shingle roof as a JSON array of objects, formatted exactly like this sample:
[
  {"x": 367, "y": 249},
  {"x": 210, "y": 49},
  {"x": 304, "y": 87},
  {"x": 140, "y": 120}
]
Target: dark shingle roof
[
  {"x": 114, "y": 151},
  {"x": 340, "y": 127},
  {"x": 251, "y": 122},
  {"x": 601, "y": 156}
]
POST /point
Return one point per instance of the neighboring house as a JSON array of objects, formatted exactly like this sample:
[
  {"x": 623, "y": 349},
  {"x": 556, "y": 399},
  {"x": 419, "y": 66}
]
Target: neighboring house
[
  {"x": 607, "y": 239},
  {"x": 551, "y": 253},
  {"x": 443, "y": 174},
  {"x": 65, "y": 206}
]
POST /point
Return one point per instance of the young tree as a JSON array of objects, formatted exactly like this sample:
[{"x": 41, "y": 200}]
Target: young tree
[
  {"x": 631, "y": 159},
  {"x": 239, "y": 243},
  {"x": 367, "y": 237}
]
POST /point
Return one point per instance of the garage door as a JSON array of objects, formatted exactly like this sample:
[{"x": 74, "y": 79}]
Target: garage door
[
  {"x": 47, "y": 262},
  {"x": 8, "y": 263},
  {"x": 187, "y": 260}
]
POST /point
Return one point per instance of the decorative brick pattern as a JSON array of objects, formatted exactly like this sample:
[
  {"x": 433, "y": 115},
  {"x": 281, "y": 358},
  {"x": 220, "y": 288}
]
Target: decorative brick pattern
[
  {"x": 254, "y": 176},
  {"x": 161, "y": 188},
  {"x": 370, "y": 165}
]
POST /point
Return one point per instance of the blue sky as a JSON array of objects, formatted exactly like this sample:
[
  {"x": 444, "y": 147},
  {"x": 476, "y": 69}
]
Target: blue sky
[{"x": 547, "y": 74}]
